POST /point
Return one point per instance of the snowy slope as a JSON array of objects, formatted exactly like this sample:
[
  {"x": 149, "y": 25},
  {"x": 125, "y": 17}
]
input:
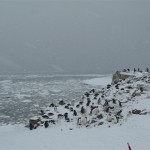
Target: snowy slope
[
  {"x": 132, "y": 128},
  {"x": 99, "y": 81},
  {"x": 136, "y": 131}
]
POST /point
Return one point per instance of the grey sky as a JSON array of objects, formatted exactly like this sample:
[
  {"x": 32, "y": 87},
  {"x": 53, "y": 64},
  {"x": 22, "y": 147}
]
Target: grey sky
[{"x": 74, "y": 36}]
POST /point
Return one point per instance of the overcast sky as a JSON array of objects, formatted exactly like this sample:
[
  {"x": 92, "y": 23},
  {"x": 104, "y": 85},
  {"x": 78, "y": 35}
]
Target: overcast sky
[{"x": 74, "y": 36}]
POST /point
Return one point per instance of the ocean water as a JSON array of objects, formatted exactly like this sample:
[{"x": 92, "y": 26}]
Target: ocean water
[{"x": 23, "y": 96}]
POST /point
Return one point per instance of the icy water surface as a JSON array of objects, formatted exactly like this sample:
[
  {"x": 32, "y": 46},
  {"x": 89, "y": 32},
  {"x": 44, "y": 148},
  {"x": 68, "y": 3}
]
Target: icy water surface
[{"x": 23, "y": 96}]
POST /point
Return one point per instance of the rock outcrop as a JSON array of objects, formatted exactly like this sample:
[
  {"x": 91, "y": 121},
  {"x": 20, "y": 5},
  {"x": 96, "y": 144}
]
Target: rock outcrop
[{"x": 121, "y": 76}]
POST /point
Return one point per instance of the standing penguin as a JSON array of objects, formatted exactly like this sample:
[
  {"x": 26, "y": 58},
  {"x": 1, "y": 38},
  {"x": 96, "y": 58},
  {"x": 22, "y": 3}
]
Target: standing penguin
[
  {"x": 31, "y": 126},
  {"x": 88, "y": 101},
  {"x": 79, "y": 121},
  {"x": 82, "y": 110},
  {"x": 74, "y": 113},
  {"x": 46, "y": 124},
  {"x": 66, "y": 116},
  {"x": 99, "y": 101}
]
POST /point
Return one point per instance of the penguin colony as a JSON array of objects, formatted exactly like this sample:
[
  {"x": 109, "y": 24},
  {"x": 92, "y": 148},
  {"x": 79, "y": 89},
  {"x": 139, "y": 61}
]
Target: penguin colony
[{"x": 110, "y": 105}]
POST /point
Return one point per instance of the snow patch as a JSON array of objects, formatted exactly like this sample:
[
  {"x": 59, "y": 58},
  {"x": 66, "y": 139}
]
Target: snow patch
[{"x": 103, "y": 81}]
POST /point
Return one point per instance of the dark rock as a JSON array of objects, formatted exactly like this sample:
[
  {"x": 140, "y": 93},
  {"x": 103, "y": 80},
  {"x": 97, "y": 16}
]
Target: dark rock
[
  {"x": 101, "y": 123},
  {"x": 87, "y": 126},
  {"x": 100, "y": 116},
  {"x": 67, "y": 107},
  {"x": 50, "y": 114},
  {"x": 93, "y": 121},
  {"x": 96, "y": 94},
  {"x": 45, "y": 116}
]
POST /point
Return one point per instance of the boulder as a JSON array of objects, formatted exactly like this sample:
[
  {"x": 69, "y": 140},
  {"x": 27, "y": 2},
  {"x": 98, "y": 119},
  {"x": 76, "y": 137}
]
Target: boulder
[{"x": 121, "y": 76}]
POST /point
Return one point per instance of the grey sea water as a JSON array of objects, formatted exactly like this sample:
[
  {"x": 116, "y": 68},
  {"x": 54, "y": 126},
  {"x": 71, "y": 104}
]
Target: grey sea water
[{"x": 23, "y": 96}]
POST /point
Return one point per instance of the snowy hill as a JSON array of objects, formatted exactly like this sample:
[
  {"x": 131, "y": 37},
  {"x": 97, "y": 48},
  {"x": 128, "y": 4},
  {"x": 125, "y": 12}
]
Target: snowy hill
[{"x": 111, "y": 105}]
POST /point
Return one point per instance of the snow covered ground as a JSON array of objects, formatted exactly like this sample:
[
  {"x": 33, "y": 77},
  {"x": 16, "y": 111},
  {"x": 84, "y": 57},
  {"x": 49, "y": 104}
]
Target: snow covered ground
[
  {"x": 103, "y": 81},
  {"x": 134, "y": 129}
]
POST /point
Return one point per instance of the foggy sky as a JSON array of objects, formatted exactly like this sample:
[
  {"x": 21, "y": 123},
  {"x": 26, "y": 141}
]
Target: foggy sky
[{"x": 74, "y": 36}]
